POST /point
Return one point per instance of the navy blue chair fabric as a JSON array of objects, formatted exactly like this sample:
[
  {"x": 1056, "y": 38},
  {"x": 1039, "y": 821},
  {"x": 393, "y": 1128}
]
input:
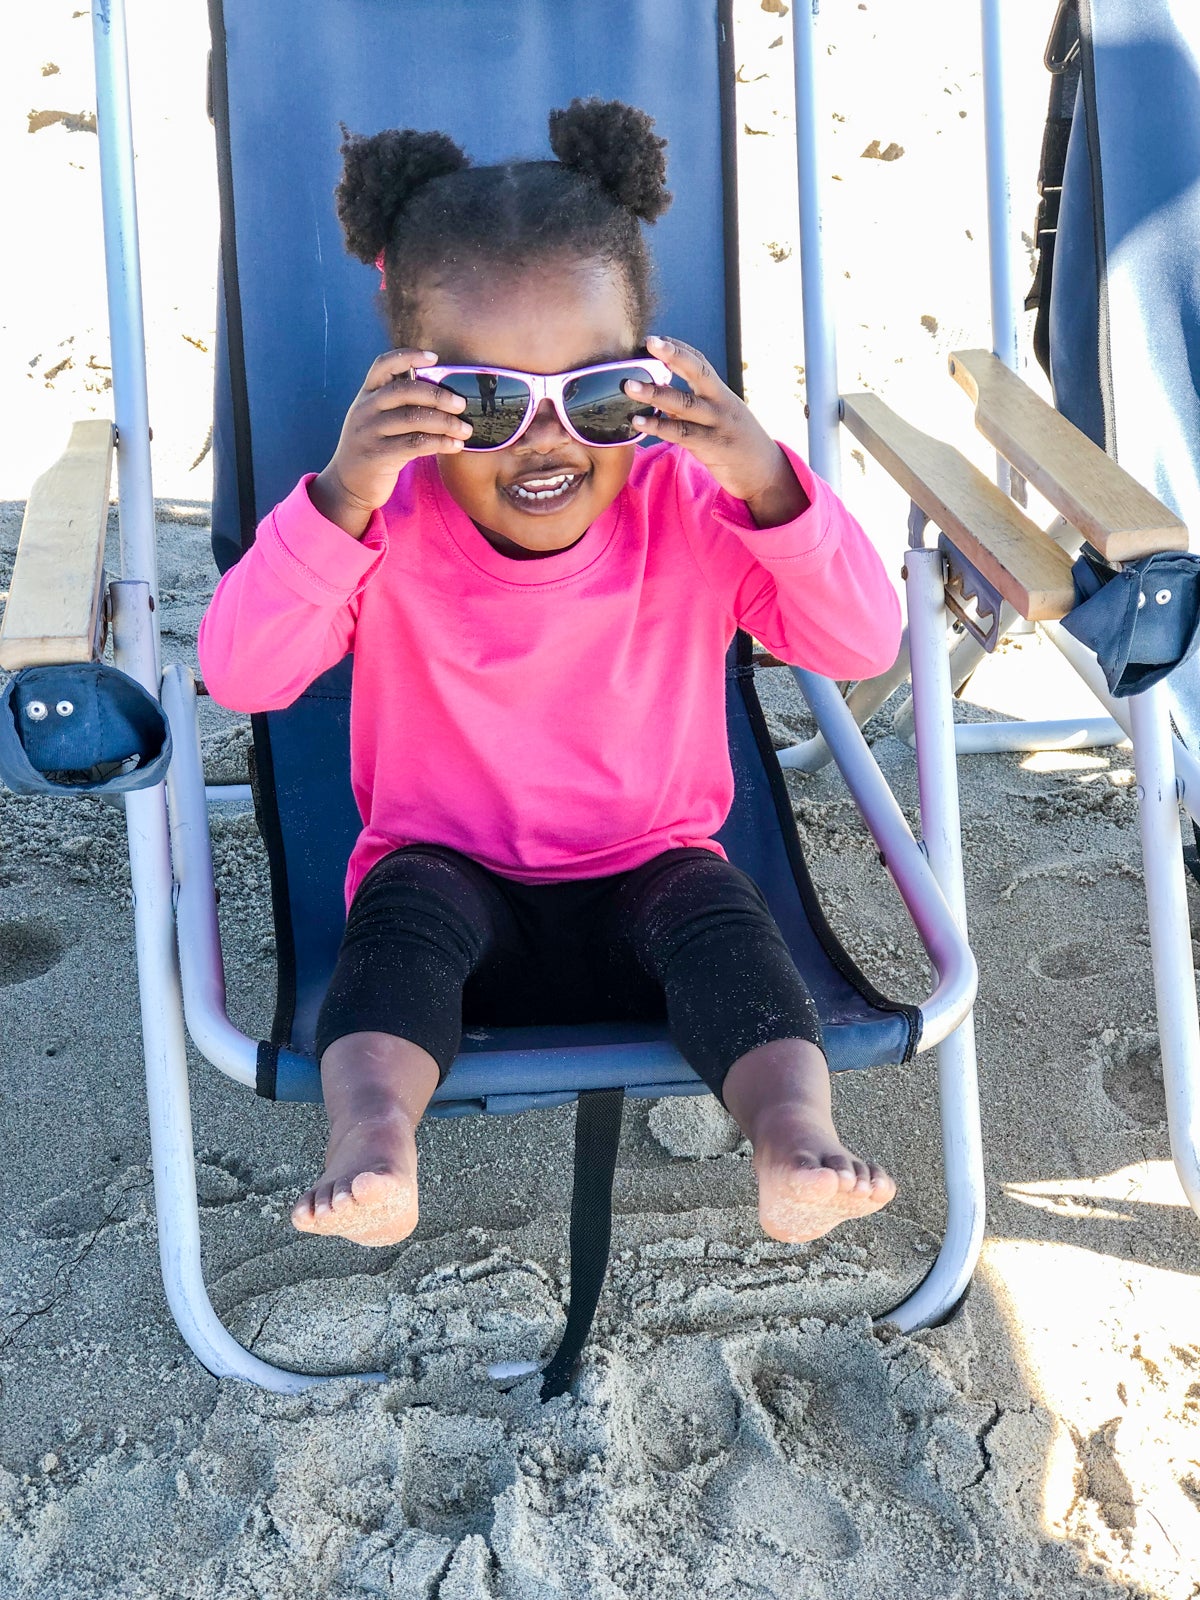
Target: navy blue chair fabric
[
  {"x": 1140, "y": 622},
  {"x": 297, "y": 332},
  {"x": 1125, "y": 297},
  {"x": 81, "y": 727}
]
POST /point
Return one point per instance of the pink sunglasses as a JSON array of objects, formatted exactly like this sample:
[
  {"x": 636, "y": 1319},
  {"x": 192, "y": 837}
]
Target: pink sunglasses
[{"x": 591, "y": 401}]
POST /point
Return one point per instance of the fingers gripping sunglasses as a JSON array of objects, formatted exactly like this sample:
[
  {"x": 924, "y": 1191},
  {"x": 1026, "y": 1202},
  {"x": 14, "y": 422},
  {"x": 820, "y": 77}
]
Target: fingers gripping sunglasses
[{"x": 591, "y": 401}]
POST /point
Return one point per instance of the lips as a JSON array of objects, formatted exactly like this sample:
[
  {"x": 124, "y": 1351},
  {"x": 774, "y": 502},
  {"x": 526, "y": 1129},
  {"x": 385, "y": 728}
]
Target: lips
[{"x": 544, "y": 491}]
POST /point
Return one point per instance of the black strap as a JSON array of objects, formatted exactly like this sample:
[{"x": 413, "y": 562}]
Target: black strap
[
  {"x": 1063, "y": 63},
  {"x": 597, "y": 1136}
]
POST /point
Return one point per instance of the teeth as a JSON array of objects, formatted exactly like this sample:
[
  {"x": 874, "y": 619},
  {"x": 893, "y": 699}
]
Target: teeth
[{"x": 545, "y": 488}]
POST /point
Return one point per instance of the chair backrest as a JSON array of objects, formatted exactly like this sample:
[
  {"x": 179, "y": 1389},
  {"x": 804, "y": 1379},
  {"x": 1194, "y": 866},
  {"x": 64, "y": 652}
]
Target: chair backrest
[
  {"x": 297, "y": 332},
  {"x": 1125, "y": 294}
]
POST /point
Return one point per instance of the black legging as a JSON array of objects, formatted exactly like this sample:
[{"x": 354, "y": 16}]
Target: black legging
[{"x": 434, "y": 940}]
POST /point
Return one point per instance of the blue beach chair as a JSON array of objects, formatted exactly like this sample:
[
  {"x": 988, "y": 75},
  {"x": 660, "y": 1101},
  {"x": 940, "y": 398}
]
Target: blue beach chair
[
  {"x": 296, "y": 330},
  {"x": 1118, "y": 331}
]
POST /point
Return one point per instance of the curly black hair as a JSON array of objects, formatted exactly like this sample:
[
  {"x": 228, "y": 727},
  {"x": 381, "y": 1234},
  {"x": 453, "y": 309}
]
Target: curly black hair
[{"x": 415, "y": 198}]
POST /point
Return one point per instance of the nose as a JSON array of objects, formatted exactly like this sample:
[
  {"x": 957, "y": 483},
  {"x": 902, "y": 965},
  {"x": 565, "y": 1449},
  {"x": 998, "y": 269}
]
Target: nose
[{"x": 546, "y": 430}]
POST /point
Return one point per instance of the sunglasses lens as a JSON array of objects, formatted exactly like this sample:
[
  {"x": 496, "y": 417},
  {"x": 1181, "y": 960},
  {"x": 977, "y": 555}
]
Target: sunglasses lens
[
  {"x": 496, "y": 406},
  {"x": 598, "y": 408}
]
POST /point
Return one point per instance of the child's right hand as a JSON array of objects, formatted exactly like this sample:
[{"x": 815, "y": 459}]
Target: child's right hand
[{"x": 394, "y": 419}]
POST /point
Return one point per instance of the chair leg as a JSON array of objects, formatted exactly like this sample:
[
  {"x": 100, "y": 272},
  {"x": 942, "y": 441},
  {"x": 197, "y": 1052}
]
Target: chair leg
[
  {"x": 962, "y": 1151},
  {"x": 170, "y": 1108},
  {"x": 1170, "y": 930},
  {"x": 1167, "y": 771},
  {"x": 864, "y": 700}
]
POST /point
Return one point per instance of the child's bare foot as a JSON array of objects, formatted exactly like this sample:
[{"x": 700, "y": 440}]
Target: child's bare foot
[
  {"x": 376, "y": 1087},
  {"x": 368, "y": 1191},
  {"x": 808, "y": 1181}
]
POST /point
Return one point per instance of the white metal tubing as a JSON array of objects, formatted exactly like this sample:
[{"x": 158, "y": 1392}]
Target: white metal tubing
[
  {"x": 1187, "y": 774},
  {"x": 810, "y": 755},
  {"x": 820, "y": 342},
  {"x": 123, "y": 271},
  {"x": 937, "y": 775},
  {"x": 1170, "y": 931},
  {"x": 1187, "y": 767},
  {"x": 966, "y": 653},
  {"x": 1069, "y": 733},
  {"x": 136, "y": 651},
  {"x": 200, "y": 963},
  {"x": 230, "y": 792},
  {"x": 1088, "y": 668},
  {"x": 164, "y": 1047},
  {"x": 940, "y": 933},
  {"x": 1006, "y": 315}
]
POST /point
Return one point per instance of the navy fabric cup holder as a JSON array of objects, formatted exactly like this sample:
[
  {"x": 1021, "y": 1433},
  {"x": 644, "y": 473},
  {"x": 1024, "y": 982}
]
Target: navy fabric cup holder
[
  {"x": 80, "y": 728},
  {"x": 1141, "y": 621}
]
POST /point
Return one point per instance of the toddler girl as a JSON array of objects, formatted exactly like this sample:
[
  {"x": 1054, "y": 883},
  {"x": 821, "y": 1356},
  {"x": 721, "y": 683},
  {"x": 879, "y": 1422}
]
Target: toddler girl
[{"x": 539, "y": 612}]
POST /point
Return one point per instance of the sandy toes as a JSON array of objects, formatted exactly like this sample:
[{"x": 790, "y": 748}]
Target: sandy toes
[
  {"x": 372, "y": 1208},
  {"x": 368, "y": 1191},
  {"x": 801, "y": 1197}
]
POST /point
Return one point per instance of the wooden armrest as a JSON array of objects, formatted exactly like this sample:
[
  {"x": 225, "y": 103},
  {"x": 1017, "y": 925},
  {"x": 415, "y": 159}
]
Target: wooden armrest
[
  {"x": 1026, "y": 566},
  {"x": 1112, "y": 510},
  {"x": 54, "y": 601}
]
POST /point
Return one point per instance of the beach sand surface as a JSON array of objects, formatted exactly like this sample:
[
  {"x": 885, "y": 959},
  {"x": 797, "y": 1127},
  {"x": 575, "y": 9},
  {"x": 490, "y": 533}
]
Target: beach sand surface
[{"x": 740, "y": 1426}]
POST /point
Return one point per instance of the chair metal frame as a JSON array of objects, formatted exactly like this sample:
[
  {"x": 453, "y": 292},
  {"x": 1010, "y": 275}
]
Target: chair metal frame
[
  {"x": 1167, "y": 773},
  {"x": 180, "y": 974}
]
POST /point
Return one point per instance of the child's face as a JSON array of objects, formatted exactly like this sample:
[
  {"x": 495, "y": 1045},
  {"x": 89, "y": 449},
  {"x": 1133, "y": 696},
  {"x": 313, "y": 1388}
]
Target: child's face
[{"x": 548, "y": 318}]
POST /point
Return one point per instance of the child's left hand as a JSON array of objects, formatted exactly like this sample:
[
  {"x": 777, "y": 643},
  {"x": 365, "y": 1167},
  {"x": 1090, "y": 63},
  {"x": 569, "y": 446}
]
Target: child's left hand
[{"x": 722, "y": 433}]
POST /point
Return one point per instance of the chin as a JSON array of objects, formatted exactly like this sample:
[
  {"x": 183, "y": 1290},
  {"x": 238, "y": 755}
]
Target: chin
[{"x": 541, "y": 528}]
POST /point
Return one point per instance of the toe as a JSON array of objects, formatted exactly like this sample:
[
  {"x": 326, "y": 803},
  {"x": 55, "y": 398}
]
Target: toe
[
  {"x": 841, "y": 1163},
  {"x": 302, "y": 1212}
]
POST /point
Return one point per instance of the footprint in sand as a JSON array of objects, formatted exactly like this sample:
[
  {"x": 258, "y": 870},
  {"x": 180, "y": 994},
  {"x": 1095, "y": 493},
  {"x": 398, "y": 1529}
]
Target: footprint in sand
[
  {"x": 454, "y": 1468},
  {"x": 1131, "y": 1074},
  {"x": 685, "y": 1411},
  {"x": 28, "y": 948},
  {"x": 753, "y": 1492},
  {"x": 1066, "y": 963},
  {"x": 104, "y": 1201}
]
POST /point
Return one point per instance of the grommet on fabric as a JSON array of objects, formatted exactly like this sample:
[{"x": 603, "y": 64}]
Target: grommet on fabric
[
  {"x": 107, "y": 733},
  {"x": 1141, "y": 600},
  {"x": 1163, "y": 597}
]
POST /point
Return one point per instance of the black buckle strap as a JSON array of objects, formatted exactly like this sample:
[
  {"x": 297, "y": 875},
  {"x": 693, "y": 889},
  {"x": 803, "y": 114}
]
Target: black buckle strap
[
  {"x": 1063, "y": 44},
  {"x": 1064, "y": 63},
  {"x": 597, "y": 1138}
]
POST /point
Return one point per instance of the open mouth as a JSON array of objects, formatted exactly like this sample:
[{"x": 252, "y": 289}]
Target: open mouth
[{"x": 548, "y": 492}]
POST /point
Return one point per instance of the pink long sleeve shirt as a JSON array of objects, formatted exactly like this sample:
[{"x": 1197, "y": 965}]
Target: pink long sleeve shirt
[{"x": 557, "y": 717}]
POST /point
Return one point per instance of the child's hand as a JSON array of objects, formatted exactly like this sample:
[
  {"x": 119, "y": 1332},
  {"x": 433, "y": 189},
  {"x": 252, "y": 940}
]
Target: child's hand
[
  {"x": 394, "y": 419},
  {"x": 722, "y": 433}
]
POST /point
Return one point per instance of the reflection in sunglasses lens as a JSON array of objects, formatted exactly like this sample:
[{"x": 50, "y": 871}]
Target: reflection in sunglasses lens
[
  {"x": 598, "y": 408},
  {"x": 496, "y": 406}
]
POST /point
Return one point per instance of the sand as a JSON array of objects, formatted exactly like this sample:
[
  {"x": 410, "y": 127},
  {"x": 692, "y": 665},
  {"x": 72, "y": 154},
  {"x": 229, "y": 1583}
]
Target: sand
[{"x": 739, "y": 1427}]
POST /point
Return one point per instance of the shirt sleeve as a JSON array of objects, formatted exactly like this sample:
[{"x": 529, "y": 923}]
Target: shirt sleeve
[
  {"x": 287, "y": 611},
  {"x": 813, "y": 591}
]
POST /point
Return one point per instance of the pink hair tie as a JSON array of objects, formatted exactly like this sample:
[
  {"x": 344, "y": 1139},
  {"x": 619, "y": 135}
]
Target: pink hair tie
[{"x": 382, "y": 274}]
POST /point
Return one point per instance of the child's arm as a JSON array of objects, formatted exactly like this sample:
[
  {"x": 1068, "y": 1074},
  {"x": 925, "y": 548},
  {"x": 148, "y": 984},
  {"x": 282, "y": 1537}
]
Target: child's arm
[
  {"x": 287, "y": 611},
  {"x": 813, "y": 591},
  {"x": 800, "y": 575}
]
